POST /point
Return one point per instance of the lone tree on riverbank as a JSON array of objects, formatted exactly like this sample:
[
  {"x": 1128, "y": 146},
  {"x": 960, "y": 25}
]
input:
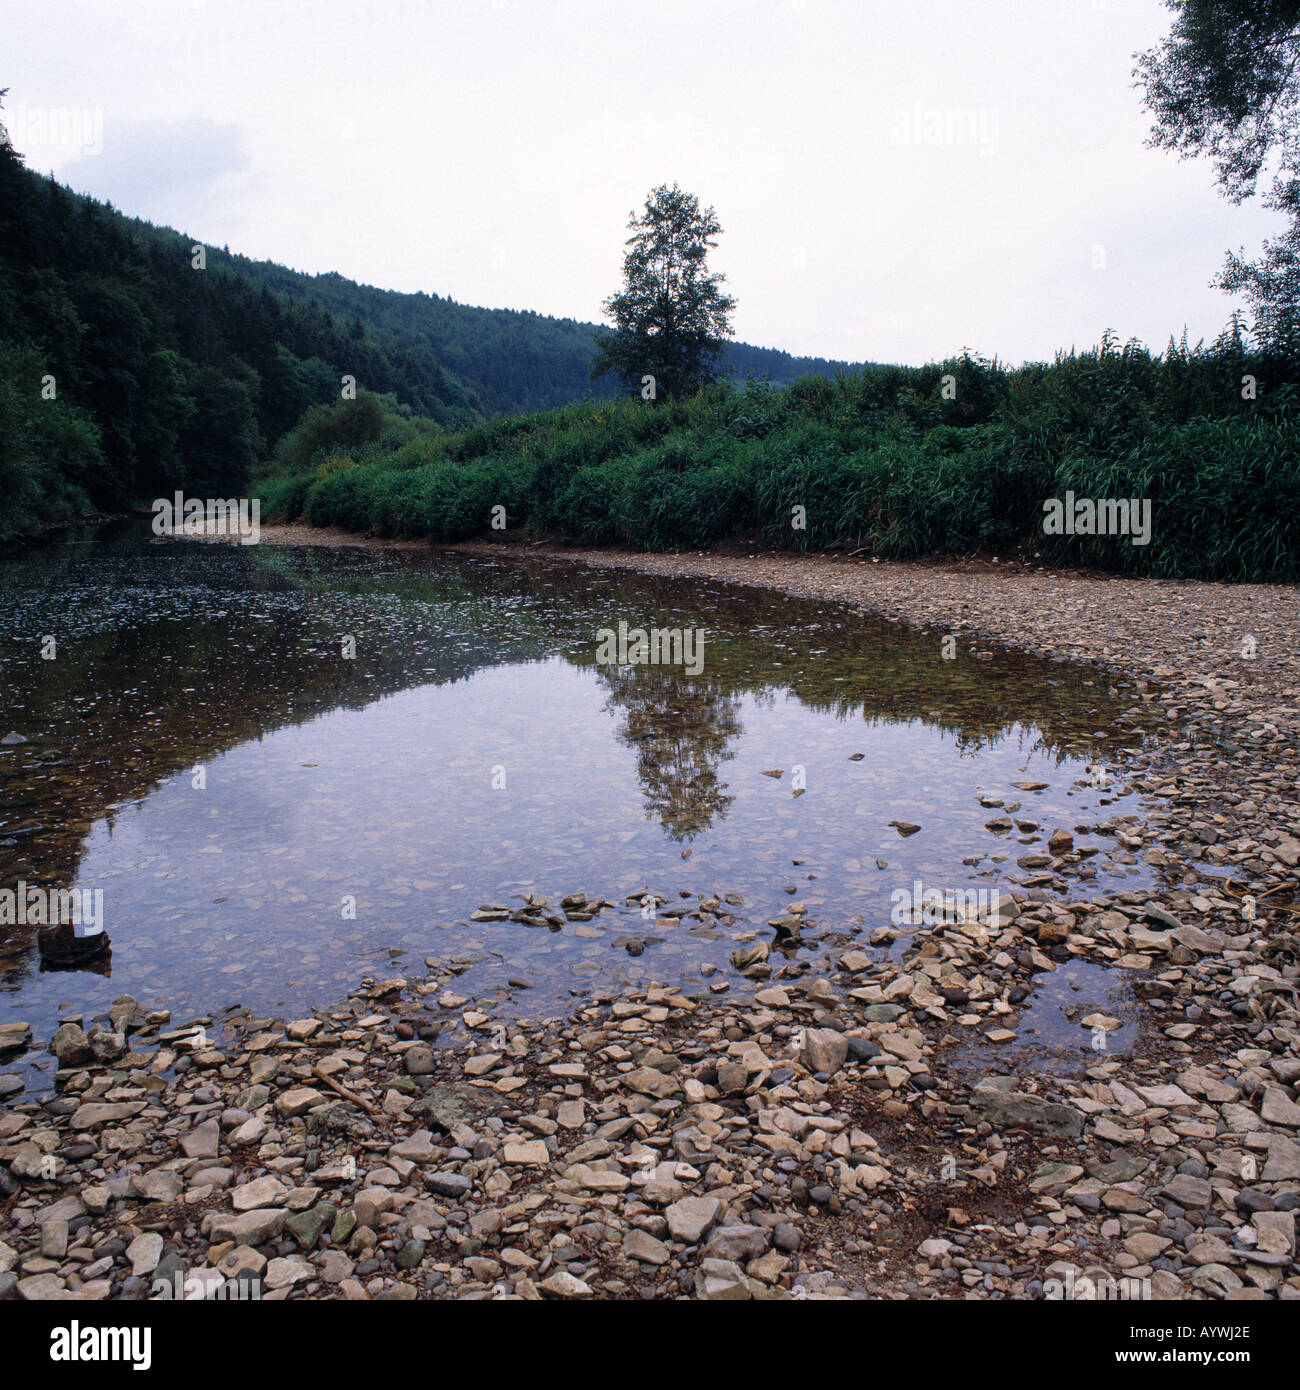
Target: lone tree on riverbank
[
  {"x": 1226, "y": 83},
  {"x": 672, "y": 317}
]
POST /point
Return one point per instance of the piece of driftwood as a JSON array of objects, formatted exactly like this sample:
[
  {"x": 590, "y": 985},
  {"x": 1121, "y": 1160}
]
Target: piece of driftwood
[{"x": 345, "y": 1093}]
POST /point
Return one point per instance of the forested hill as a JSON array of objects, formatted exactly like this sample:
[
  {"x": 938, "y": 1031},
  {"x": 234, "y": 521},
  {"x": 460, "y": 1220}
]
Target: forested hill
[
  {"x": 127, "y": 371},
  {"x": 514, "y": 360}
]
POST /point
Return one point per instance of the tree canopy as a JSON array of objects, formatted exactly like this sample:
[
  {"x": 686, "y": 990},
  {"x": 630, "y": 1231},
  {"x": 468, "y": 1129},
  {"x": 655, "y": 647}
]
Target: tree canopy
[
  {"x": 672, "y": 318},
  {"x": 1225, "y": 84}
]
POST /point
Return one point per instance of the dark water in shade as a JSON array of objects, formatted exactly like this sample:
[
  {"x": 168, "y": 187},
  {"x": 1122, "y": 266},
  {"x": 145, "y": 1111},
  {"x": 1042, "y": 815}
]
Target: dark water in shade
[{"x": 379, "y": 778}]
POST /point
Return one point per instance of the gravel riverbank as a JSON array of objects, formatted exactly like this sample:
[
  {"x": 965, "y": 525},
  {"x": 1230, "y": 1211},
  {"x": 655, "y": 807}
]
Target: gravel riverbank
[{"x": 783, "y": 1133}]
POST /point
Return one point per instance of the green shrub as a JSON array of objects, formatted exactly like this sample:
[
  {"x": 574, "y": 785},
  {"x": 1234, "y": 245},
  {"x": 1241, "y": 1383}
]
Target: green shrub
[
  {"x": 882, "y": 459},
  {"x": 344, "y": 424}
]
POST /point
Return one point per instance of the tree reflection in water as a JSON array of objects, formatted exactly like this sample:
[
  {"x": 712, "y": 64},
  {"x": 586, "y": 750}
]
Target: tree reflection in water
[{"x": 680, "y": 727}]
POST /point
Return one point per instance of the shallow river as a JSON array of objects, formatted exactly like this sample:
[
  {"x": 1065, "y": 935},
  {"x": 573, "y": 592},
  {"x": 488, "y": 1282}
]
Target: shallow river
[{"x": 271, "y": 817}]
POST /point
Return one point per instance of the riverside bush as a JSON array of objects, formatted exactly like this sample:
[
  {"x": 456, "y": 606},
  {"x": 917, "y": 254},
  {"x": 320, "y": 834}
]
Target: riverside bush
[{"x": 899, "y": 462}]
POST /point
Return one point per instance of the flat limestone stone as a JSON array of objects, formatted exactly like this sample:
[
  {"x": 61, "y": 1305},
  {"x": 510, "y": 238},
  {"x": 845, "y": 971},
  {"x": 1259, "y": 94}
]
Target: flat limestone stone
[{"x": 530, "y": 1153}]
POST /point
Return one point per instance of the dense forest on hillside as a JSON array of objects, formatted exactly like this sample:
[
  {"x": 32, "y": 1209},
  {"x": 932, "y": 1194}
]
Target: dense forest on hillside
[
  {"x": 125, "y": 371},
  {"x": 892, "y": 461},
  {"x": 514, "y": 360}
]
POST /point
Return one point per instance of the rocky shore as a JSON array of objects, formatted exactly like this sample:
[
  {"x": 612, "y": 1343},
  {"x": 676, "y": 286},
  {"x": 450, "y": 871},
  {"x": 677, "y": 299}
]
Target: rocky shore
[{"x": 774, "y": 1131}]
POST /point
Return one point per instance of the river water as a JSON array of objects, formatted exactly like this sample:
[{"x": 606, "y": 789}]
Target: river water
[{"x": 288, "y": 768}]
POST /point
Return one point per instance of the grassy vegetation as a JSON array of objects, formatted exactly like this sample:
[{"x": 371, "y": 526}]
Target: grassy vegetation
[{"x": 886, "y": 459}]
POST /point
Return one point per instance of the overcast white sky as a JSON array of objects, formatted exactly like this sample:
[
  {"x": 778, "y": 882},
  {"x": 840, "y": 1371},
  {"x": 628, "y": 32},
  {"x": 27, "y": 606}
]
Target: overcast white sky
[{"x": 493, "y": 149}]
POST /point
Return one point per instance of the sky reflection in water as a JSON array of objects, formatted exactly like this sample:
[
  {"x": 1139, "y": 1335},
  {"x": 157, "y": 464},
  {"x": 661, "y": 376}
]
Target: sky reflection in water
[{"x": 378, "y": 778}]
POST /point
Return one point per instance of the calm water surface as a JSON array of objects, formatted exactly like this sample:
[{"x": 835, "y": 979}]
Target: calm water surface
[{"x": 269, "y": 819}]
